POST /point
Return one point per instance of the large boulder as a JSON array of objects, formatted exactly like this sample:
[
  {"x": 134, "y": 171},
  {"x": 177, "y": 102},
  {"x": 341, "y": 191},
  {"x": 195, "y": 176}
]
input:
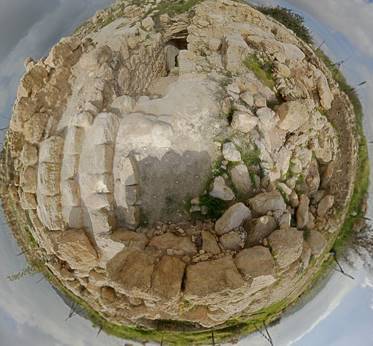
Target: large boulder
[
  {"x": 170, "y": 241},
  {"x": 286, "y": 245},
  {"x": 74, "y": 247},
  {"x": 234, "y": 217},
  {"x": 254, "y": 262},
  {"x": 231, "y": 241},
  {"x": 259, "y": 229},
  {"x": 209, "y": 243},
  {"x": 221, "y": 191},
  {"x": 293, "y": 115},
  {"x": 325, "y": 205},
  {"x": 213, "y": 277},
  {"x": 244, "y": 121},
  {"x": 241, "y": 179},
  {"x": 317, "y": 242},
  {"x": 267, "y": 201}
]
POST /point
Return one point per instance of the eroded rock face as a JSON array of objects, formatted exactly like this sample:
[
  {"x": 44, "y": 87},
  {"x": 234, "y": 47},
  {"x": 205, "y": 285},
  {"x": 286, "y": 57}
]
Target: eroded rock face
[{"x": 118, "y": 139}]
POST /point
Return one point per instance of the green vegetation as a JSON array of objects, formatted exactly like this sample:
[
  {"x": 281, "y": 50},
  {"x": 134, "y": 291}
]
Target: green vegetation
[
  {"x": 173, "y": 7},
  {"x": 250, "y": 156},
  {"x": 215, "y": 206},
  {"x": 262, "y": 70},
  {"x": 290, "y": 19}
]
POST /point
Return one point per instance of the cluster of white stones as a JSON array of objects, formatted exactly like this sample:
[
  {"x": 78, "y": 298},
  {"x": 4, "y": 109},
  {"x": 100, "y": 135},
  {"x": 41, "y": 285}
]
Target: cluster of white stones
[{"x": 118, "y": 130}]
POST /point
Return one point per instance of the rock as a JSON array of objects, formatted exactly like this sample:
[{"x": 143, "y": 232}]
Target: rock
[
  {"x": 255, "y": 262},
  {"x": 27, "y": 201},
  {"x": 294, "y": 200},
  {"x": 171, "y": 241},
  {"x": 302, "y": 212},
  {"x": 311, "y": 221},
  {"x": 232, "y": 218},
  {"x": 286, "y": 245},
  {"x": 317, "y": 242},
  {"x": 306, "y": 255},
  {"x": 108, "y": 293},
  {"x": 284, "y": 189},
  {"x": 213, "y": 277},
  {"x": 327, "y": 175},
  {"x": 148, "y": 23},
  {"x": 236, "y": 51},
  {"x": 244, "y": 122},
  {"x": 293, "y": 115},
  {"x": 50, "y": 150},
  {"x": 241, "y": 179},
  {"x": 230, "y": 152},
  {"x": 313, "y": 177},
  {"x": 231, "y": 241},
  {"x": 248, "y": 98},
  {"x": 260, "y": 101},
  {"x": 74, "y": 247},
  {"x": 267, "y": 201},
  {"x": 125, "y": 104},
  {"x": 221, "y": 191},
  {"x": 132, "y": 269},
  {"x": 285, "y": 221},
  {"x": 325, "y": 205},
  {"x": 167, "y": 278},
  {"x": 28, "y": 180},
  {"x": 326, "y": 96},
  {"x": 209, "y": 243},
  {"x": 130, "y": 238},
  {"x": 29, "y": 155},
  {"x": 258, "y": 229}
]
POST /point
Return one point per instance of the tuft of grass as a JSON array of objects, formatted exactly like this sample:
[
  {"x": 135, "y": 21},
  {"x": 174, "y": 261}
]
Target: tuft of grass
[
  {"x": 263, "y": 71},
  {"x": 290, "y": 19},
  {"x": 250, "y": 157},
  {"x": 172, "y": 7}
]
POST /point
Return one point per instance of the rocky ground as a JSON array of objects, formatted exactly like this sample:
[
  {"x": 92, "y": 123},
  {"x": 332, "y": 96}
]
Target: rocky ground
[{"x": 191, "y": 167}]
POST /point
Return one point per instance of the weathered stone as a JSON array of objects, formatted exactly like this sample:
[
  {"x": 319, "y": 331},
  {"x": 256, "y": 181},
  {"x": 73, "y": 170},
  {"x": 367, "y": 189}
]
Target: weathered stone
[
  {"x": 221, "y": 191},
  {"x": 132, "y": 269},
  {"x": 302, "y": 212},
  {"x": 267, "y": 201},
  {"x": 232, "y": 218},
  {"x": 248, "y": 98},
  {"x": 29, "y": 155},
  {"x": 325, "y": 205},
  {"x": 317, "y": 242},
  {"x": 231, "y": 241},
  {"x": 50, "y": 150},
  {"x": 28, "y": 180},
  {"x": 28, "y": 201},
  {"x": 306, "y": 255},
  {"x": 125, "y": 104},
  {"x": 108, "y": 293},
  {"x": 231, "y": 153},
  {"x": 212, "y": 277},
  {"x": 75, "y": 248},
  {"x": 171, "y": 241},
  {"x": 244, "y": 122},
  {"x": 293, "y": 115},
  {"x": 241, "y": 179},
  {"x": 130, "y": 238},
  {"x": 167, "y": 277},
  {"x": 209, "y": 243},
  {"x": 284, "y": 221},
  {"x": 258, "y": 229},
  {"x": 254, "y": 262},
  {"x": 286, "y": 245}
]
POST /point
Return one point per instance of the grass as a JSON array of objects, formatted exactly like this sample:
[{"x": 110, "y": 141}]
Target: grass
[
  {"x": 262, "y": 70},
  {"x": 250, "y": 157},
  {"x": 290, "y": 19},
  {"x": 176, "y": 7}
]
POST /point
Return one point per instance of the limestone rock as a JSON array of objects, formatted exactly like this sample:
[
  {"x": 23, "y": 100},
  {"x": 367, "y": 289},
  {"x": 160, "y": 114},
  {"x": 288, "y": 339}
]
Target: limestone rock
[
  {"x": 167, "y": 277},
  {"x": 221, "y": 191},
  {"x": 267, "y": 201},
  {"x": 286, "y": 245},
  {"x": 209, "y": 243},
  {"x": 232, "y": 218},
  {"x": 317, "y": 242},
  {"x": 29, "y": 155},
  {"x": 130, "y": 238},
  {"x": 219, "y": 276},
  {"x": 325, "y": 205},
  {"x": 244, "y": 122},
  {"x": 230, "y": 152},
  {"x": 255, "y": 262},
  {"x": 75, "y": 248},
  {"x": 231, "y": 241},
  {"x": 302, "y": 212},
  {"x": 171, "y": 241},
  {"x": 259, "y": 229},
  {"x": 293, "y": 115},
  {"x": 241, "y": 179}
]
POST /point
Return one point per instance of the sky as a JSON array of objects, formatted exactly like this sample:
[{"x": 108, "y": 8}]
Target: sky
[{"x": 32, "y": 314}]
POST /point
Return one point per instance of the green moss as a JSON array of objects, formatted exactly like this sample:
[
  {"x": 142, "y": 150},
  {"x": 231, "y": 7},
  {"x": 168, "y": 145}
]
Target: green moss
[
  {"x": 263, "y": 71},
  {"x": 250, "y": 156},
  {"x": 290, "y": 19}
]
